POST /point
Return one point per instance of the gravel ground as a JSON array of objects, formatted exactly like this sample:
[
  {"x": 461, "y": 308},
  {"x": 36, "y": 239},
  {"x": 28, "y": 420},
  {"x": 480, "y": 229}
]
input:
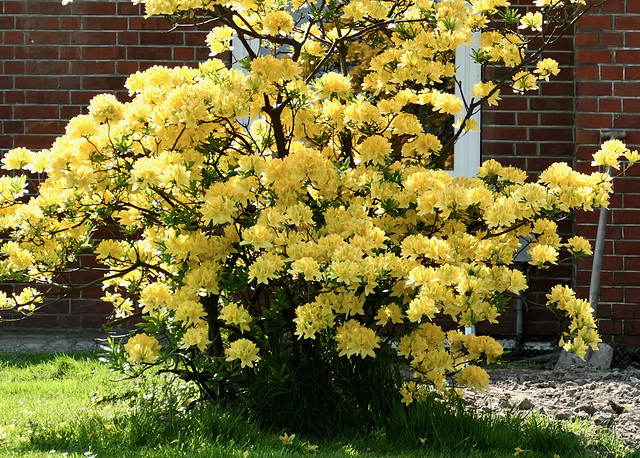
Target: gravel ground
[{"x": 608, "y": 397}]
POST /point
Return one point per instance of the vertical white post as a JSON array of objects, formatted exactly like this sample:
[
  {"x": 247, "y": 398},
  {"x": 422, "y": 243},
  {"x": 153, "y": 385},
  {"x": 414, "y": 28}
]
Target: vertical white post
[{"x": 466, "y": 159}]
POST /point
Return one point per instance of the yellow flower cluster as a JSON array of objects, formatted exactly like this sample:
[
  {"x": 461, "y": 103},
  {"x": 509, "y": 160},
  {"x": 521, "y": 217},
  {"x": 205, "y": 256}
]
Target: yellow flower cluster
[
  {"x": 612, "y": 152},
  {"x": 243, "y": 350},
  {"x": 236, "y": 315},
  {"x": 301, "y": 198},
  {"x": 142, "y": 348},
  {"x": 353, "y": 338},
  {"x": 581, "y": 333}
]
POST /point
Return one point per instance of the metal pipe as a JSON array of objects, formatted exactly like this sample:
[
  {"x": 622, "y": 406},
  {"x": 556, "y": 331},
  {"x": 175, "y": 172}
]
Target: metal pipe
[
  {"x": 522, "y": 257},
  {"x": 519, "y": 321},
  {"x": 596, "y": 267}
]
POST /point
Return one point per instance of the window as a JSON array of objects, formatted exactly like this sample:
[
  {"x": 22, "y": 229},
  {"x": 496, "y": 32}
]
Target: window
[{"x": 467, "y": 149}]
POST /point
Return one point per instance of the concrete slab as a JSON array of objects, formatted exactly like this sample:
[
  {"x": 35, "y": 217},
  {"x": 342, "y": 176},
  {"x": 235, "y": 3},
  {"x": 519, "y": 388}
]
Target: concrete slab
[
  {"x": 55, "y": 341},
  {"x": 599, "y": 359}
]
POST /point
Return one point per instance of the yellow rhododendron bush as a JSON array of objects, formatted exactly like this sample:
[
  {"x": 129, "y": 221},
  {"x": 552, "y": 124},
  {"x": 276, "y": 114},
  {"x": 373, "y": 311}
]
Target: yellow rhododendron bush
[{"x": 288, "y": 213}]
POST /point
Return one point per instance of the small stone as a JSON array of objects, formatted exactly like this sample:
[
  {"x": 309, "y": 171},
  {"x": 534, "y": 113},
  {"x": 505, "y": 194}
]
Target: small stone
[
  {"x": 564, "y": 415},
  {"x": 601, "y": 418},
  {"x": 589, "y": 408},
  {"x": 526, "y": 404},
  {"x": 583, "y": 415},
  {"x": 617, "y": 408}
]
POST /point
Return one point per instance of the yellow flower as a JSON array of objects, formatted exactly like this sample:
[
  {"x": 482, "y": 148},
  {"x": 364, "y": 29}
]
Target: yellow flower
[
  {"x": 579, "y": 246},
  {"x": 196, "y": 335},
  {"x": 259, "y": 236},
  {"x": 190, "y": 312},
  {"x": 347, "y": 272},
  {"x": 406, "y": 124},
  {"x": 236, "y": 315},
  {"x": 353, "y": 338},
  {"x": 407, "y": 392},
  {"x": 374, "y": 149},
  {"x": 219, "y": 40},
  {"x": 531, "y": 21},
  {"x": 361, "y": 113},
  {"x": 333, "y": 84},
  {"x": 105, "y": 107},
  {"x": 142, "y": 348},
  {"x": 546, "y": 67},
  {"x": 609, "y": 154},
  {"x": 277, "y": 23},
  {"x": 110, "y": 249},
  {"x": 501, "y": 213},
  {"x": 517, "y": 281},
  {"x": 483, "y": 89},
  {"x": 542, "y": 254},
  {"x": 473, "y": 377},
  {"x": 123, "y": 307},
  {"x": 423, "y": 145},
  {"x": 488, "y": 5},
  {"x": 311, "y": 319},
  {"x": 244, "y": 350},
  {"x": 218, "y": 210},
  {"x": 576, "y": 346},
  {"x": 470, "y": 125},
  {"x": 269, "y": 68},
  {"x": 447, "y": 103},
  {"x": 306, "y": 266},
  {"x": 286, "y": 439},
  {"x": 265, "y": 268},
  {"x": 524, "y": 81},
  {"x": 560, "y": 295},
  {"x": 16, "y": 158},
  {"x": 391, "y": 312},
  {"x": 422, "y": 306}
]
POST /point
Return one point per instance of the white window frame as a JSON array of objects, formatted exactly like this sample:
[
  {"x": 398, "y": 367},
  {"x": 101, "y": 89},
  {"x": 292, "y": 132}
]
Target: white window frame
[{"x": 467, "y": 150}]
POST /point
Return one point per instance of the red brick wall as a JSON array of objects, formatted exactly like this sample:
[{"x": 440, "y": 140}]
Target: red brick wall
[
  {"x": 54, "y": 59},
  {"x": 597, "y": 90},
  {"x": 608, "y": 94}
]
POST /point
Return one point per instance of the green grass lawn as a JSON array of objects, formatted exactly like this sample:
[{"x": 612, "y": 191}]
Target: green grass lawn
[{"x": 71, "y": 405}]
